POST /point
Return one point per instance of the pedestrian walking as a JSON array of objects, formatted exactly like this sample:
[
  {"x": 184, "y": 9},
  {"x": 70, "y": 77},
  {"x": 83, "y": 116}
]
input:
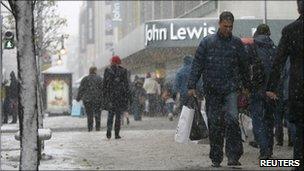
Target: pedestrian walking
[
  {"x": 139, "y": 98},
  {"x": 116, "y": 94},
  {"x": 222, "y": 62},
  {"x": 153, "y": 91},
  {"x": 262, "y": 55},
  {"x": 291, "y": 45},
  {"x": 13, "y": 97},
  {"x": 181, "y": 81},
  {"x": 90, "y": 92}
]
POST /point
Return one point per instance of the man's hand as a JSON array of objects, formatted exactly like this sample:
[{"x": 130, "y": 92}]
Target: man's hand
[
  {"x": 192, "y": 92},
  {"x": 272, "y": 95}
]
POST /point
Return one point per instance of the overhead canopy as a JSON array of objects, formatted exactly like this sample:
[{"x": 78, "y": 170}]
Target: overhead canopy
[{"x": 58, "y": 69}]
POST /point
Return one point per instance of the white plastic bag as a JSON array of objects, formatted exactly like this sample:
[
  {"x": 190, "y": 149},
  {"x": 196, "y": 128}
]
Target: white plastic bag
[
  {"x": 245, "y": 125},
  {"x": 184, "y": 125},
  {"x": 77, "y": 108}
]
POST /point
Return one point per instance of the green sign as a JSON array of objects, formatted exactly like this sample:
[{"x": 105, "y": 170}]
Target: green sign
[{"x": 9, "y": 44}]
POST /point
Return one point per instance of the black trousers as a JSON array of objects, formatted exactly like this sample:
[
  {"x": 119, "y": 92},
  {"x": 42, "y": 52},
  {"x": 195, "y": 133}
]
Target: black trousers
[
  {"x": 93, "y": 110},
  {"x": 117, "y": 125}
]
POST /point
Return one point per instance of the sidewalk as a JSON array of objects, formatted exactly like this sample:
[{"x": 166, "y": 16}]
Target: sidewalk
[{"x": 145, "y": 145}]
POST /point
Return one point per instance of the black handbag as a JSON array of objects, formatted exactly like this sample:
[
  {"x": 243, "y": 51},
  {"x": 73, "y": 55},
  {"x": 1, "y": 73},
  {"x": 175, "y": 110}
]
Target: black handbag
[{"x": 199, "y": 129}]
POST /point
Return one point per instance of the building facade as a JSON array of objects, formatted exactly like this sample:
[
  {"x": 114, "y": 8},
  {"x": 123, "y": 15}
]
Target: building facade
[
  {"x": 128, "y": 29},
  {"x": 143, "y": 48}
]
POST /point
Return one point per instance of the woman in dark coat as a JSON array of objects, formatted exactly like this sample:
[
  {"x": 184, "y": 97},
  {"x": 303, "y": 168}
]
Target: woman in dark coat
[{"x": 116, "y": 94}]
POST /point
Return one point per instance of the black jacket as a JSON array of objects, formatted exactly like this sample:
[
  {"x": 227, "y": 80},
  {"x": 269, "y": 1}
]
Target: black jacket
[
  {"x": 223, "y": 64},
  {"x": 291, "y": 45},
  {"x": 116, "y": 89},
  {"x": 90, "y": 89}
]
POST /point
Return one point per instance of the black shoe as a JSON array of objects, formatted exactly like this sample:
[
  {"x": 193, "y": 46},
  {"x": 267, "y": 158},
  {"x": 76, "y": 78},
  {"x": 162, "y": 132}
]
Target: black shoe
[
  {"x": 254, "y": 144},
  {"x": 117, "y": 137},
  {"x": 233, "y": 163},
  {"x": 97, "y": 129},
  {"x": 109, "y": 134},
  {"x": 279, "y": 143},
  {"x": 128, "y": 121},
  {"x": 216, "y": 164}
]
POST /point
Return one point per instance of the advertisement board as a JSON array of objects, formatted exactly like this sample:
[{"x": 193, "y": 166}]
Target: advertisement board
[{"x": 58, "y": 93}]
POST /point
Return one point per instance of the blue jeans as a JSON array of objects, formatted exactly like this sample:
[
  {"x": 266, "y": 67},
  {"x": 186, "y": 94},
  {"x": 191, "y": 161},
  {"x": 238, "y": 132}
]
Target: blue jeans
[
  {"x": 223, "y": 122},
  {"x": 262, "y": 122}
]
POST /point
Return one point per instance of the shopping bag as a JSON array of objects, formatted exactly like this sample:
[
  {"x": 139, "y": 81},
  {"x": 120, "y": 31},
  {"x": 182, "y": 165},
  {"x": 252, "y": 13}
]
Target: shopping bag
[
  {"x": 199, "y": 128},
  {"x": 245, "y": 125},
  {"x": 184, "y": 125},
  {"x": 77, "y": 109}
]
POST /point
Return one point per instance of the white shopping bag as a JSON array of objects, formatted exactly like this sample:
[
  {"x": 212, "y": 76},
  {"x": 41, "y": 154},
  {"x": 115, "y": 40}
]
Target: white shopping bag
[
  {"x": 245, "y": 125},
  {"x": 184, "y": 125},
  {"x": 77, "y": 108}
]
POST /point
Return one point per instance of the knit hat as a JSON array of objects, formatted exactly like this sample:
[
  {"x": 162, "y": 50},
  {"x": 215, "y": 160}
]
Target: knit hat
[
  {"x": 115, "y": 60},
  {"x": 263, "y": 29}
]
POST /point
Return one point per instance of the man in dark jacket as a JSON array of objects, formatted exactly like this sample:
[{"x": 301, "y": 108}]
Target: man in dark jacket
[
  {"x": 221, "y": 61},
  {"x": 291, "y": 45},
  {"x": 90, "y": 92},
  {"x": 116, "y": 94},
  {"x": 263, "y": 50}
]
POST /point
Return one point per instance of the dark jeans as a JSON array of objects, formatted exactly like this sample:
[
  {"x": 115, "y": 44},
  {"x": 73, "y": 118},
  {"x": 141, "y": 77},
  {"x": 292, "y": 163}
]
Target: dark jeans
[
  {"x": 111, "y": 115},
  {"x": 223, "y": 122},
  {"x": 298, "y": 146},
  {"x": 262, "y": 122},
  {"x": 137, "y": 110},
  {"x": 93, "y": 110},
  {"x": 153, "y": 104}
]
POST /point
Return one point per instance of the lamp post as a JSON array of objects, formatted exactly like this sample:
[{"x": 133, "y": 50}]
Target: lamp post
[{"x": 62, "y": 51}]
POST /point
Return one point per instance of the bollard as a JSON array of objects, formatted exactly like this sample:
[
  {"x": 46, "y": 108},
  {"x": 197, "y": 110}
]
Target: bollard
[{"x": 43, "y": 134}]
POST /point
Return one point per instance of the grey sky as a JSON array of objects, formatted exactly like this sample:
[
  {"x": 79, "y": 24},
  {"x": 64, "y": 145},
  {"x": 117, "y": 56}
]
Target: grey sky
[{"x": 70, "y": 10}]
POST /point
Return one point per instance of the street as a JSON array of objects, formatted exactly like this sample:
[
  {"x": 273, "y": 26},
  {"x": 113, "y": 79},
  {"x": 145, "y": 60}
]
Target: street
[{"x": 145, "y": 145}]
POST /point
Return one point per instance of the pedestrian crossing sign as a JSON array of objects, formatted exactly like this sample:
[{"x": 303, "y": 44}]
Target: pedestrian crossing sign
[{"x": 9, "y": 44}]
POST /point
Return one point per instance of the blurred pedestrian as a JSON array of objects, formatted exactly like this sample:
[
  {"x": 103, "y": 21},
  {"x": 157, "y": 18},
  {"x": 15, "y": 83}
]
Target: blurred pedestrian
[
  {"x": 13, "y": 96},
  {"x": 291, "y": 45},
  {"x": 153, "y": 91},
  {"x": 221, "y": 61},
  {"x": 116, "y": 94},
  {"x": 90, "y": 92},
  {"x": 181, "y": 81},
  {"x": 139, "y": 98}
]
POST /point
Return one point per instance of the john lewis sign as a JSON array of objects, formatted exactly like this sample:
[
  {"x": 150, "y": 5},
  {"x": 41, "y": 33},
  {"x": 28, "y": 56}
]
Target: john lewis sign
[{"x": 189, "y": 32}]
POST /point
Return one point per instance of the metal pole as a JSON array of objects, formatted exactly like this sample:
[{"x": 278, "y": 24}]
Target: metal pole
[
  {"x": 265, "y": 12},
  {"x": 1, "y": 68}
]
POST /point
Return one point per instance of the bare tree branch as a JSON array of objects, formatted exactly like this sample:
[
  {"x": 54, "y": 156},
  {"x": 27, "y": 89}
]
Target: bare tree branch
[{"x": 10, "y": 10}]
